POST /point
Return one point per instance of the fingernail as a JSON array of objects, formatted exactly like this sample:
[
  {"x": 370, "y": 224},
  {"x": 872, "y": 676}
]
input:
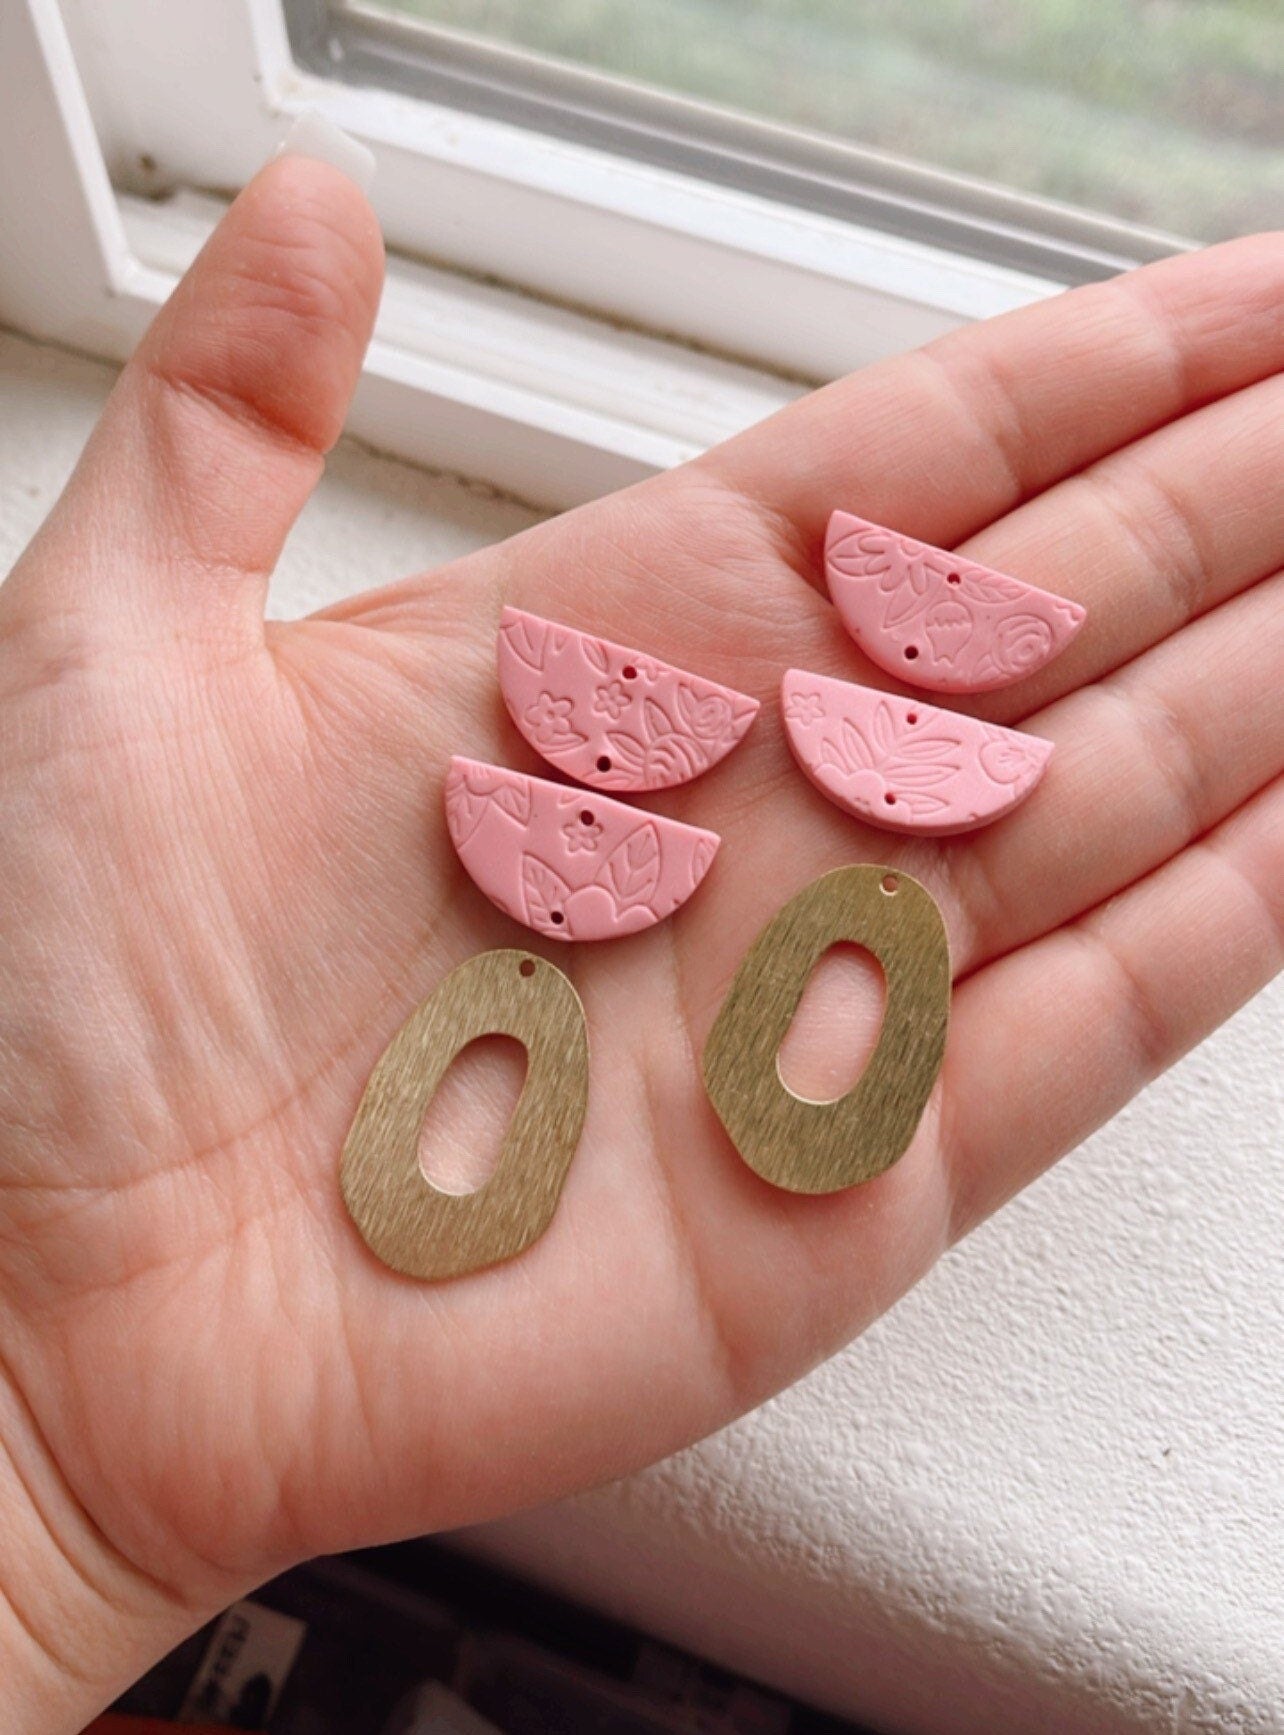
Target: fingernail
[{"x": 312, "y": 135}]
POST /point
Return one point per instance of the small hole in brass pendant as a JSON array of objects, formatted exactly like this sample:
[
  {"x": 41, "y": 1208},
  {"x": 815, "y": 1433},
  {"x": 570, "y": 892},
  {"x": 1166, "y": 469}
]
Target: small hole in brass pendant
[
  {"x": 420, "y": 1229},
  {"x": 820, "y": 1147}
]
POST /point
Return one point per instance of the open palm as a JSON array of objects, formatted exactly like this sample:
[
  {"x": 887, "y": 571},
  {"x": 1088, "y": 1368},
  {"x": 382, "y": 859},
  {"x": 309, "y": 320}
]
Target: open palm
[{"x": 228, "y": 881}]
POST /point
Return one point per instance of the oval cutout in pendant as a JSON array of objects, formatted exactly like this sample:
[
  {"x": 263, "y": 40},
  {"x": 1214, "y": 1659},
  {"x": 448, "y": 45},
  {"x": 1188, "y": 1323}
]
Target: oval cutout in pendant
[
  {"x": 820, "y": 1147},
  {"x": 406, "y": 1222}
]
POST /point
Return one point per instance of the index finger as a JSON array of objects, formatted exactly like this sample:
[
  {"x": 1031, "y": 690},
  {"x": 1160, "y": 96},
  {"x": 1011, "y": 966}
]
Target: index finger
[{"x": 940, "y": 442}]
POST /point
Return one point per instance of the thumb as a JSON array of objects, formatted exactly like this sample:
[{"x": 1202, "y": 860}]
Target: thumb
[{"x": 216, "y": 431}]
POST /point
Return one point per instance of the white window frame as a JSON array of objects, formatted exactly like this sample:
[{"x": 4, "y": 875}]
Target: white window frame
[{"x": 576, "y": 366}]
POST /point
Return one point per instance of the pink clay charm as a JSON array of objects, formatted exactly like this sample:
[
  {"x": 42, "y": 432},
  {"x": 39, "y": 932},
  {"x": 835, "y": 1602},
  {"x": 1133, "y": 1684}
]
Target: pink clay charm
[
  {"x": 936, "y": 620},
  {"x": 904, "y": 765},
  {"x": 570, "y": 865},
  {"x": 609, "y": 716}
]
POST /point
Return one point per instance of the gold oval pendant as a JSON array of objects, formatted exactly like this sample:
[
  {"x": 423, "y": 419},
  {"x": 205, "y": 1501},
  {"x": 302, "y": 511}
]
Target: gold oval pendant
[
  {"x": 408, "y": 1223},
  {"x": 819, "y": 1147}
]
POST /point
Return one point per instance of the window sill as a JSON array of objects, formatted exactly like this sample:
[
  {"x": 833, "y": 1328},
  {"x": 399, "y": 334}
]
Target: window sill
[{"x": 542, "y": 402}]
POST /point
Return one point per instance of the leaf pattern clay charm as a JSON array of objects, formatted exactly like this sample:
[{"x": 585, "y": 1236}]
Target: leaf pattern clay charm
[
  {"x": 609, "y": 716},
  {"x": 570, "y": 865},
  {"x": 936, "y": 620},
  {"x": 904, "y": 765}
]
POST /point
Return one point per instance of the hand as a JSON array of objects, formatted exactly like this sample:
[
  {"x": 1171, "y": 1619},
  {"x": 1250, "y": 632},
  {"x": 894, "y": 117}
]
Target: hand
[{"x": 228, "y": 881}]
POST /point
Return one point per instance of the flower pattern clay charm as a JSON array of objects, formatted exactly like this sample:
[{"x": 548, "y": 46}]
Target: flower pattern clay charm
[
  {"x": 936, "y": 620},
  {"x": 570, "y": 865},
  {"x": 904, "y": 765},
  {"x": 609, "y": 716}
]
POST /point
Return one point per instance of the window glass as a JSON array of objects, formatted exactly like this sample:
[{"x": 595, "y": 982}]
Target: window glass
[{"x": 1166, "y": 113}]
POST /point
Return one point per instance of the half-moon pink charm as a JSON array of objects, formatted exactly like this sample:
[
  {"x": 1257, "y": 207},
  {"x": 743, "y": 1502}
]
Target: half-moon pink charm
[
  {"x": 935, "y": 620},
  {"x": 570, "y": 865},
  {"x": 904, "y": 765},
  {"x": 609, "y": 716}
]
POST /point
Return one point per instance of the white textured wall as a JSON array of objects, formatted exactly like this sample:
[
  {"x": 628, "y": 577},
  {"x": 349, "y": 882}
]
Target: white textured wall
[{"x": 1047, "y": 1492}]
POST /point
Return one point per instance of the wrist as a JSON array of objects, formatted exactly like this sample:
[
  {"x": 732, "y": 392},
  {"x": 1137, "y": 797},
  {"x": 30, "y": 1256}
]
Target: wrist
[{"x": 78, "y": 1622}]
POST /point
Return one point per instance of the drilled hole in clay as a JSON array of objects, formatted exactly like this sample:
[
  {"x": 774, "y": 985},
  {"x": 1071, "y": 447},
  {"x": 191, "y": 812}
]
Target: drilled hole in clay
[
  {"x": 890, "y": 799},
  {"x": 604, "y": 764},
  {"x": 835, "y": 1029},
  {"x": 586, "y": 818},
  {"x": 556, "y": 917},
  {"x": 953, "y": 578},
  {"x": 890, "y": 884},
  {"x": 464, "y": 1127},
  {"x": 629, "y": 672},
  {"x": 912, "y": 717},
  {"x": 526, "y": 967},
  {"x": 911, "y": 652}
]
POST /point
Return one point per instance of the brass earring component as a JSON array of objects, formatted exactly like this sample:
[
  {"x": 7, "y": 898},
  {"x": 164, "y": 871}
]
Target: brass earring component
[
  {"x": 408, "y": 1223},
  {"x": 819, "y": 1147}
]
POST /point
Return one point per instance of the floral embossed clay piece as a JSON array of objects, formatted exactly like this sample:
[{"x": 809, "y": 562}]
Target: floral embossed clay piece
[
  {"x": 904, "y": 765},
  {"x": 609, "y": 716},
  {"x": 570, "y": 865},
  {"x": 936, "y": 620}
]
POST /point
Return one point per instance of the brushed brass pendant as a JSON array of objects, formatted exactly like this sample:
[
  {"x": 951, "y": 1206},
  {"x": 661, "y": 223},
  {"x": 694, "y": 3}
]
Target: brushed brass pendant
[
  {"x": 819, "y": 1147},
  {"x": 408, "y": 1223}
]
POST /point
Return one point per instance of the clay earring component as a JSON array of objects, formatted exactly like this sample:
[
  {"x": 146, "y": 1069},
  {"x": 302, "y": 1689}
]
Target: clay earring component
[
  {"x": 570, "y": 864},
  {"x": 903, "y": 764},
  {"x": 820, "y": 1147},
  {"x": 936, "y": 620},
  {"x": 408, "y": 1223},
  {"x": 609, "y": 716}
]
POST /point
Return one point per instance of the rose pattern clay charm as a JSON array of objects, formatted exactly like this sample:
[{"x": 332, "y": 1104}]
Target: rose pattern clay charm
[
  {"x": 570, "y": 865},
  {"x": 609, "y": 716},
  {"x": 904, "y": 765},
  {"x": 936, "y": 620}
]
